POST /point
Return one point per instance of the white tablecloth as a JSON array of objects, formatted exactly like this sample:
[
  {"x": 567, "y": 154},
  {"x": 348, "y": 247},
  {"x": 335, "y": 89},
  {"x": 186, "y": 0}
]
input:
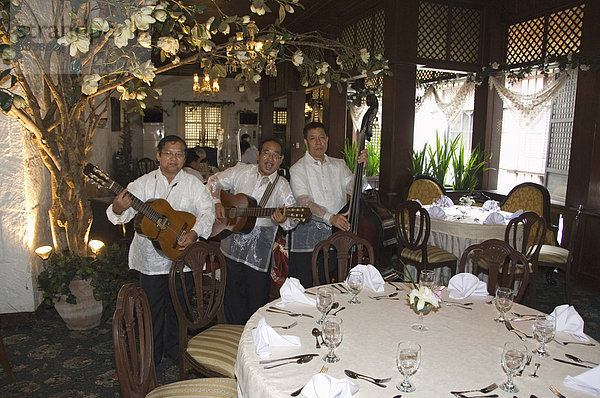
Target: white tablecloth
[{"x": 460, "y": 351}]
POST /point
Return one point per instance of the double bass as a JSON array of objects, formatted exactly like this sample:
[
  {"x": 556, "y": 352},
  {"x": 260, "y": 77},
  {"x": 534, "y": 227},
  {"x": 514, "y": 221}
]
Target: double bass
[{"x": 368, "y": 218}]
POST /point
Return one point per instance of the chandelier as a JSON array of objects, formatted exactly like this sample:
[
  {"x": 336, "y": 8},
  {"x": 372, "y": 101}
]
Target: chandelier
[
  {"x": 251, "y": 54},
  {"x": 205, "y": 87}
]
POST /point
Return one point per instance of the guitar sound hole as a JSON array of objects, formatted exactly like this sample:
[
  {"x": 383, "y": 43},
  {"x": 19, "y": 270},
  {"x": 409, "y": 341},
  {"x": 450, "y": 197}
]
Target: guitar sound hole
[{"x": 163, "y": 223}]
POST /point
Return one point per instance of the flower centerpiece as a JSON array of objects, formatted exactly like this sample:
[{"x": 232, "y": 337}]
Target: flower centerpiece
[
  {"x": 466, "y": 201},
  {"x": 423, "y": 299}
]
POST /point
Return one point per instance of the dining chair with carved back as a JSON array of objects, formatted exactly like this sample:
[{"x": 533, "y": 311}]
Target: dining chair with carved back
[
  {"x": 4, "y": 359},
  {"x": 555, "y": 258},
  {"x": 413, "y": 226},
  {"x": 348, "y": 249},
  {"x": 207, "y": 344},
  {"x": 504, "y": 265},
  {"x": 134, "y": 358},
  {"x": 146, "y": 165},
  {"x": 425, "y": 189}
]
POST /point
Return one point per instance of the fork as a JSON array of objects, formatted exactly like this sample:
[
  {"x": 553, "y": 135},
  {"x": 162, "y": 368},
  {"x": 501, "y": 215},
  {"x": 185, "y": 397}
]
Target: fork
[
  {"x": 573, "y": 342},
  {"x": 519, "y": 333},
  {"x": 459, "y": 305},
  {"x": 291, "y": 325},
  {"x": 292, "y": 314},
  {"x": 483, "y": 390},
  {"x": 324, "y": 369},
  {"x": 556, "y": 392}
]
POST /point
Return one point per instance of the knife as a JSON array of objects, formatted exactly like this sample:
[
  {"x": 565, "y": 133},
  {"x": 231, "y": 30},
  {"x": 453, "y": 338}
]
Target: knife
[
  {"x": 264, "y": 361},
  {"x": 288, "y": 311},
  {"x": 523, "y": 319},
  {"x": 573, "y": 363}
]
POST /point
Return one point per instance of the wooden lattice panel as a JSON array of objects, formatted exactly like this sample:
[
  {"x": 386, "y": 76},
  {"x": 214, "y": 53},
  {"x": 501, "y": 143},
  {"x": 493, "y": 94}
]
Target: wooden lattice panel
[
  {"x": 378, "y": 31},
  {"x": 367, "y": 32},
  {"x": 432, "y": 30},
  {"x": 374, "y": 83},
  {"x": 427, "y": 75},
  {"x": 525, "y": 41},
  {"x": 364, "y": 33},
  {"x": 564, "y": 31},
  {"x": 464, "y": 35}
]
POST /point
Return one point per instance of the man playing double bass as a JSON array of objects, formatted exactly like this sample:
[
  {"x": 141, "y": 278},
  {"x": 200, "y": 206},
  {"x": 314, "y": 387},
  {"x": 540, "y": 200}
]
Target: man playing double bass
[{"x": 321, "y": 183}]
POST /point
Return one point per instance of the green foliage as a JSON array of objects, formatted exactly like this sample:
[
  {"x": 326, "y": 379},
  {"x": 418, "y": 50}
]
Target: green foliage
[
  {"x": 466, "y": 172},
  {"x": 106, "y": 273},
  {"x": 439, "y": 161},
  {"x": 374, "y": 152},
  {"x": 350, "y": 154},
  {"x": 419, "y": 162}
]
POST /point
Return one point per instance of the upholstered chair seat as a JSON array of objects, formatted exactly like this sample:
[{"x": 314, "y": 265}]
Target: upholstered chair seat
[
  {"x": 216, "y": 348},
  {"x": 201, "y": 388}
]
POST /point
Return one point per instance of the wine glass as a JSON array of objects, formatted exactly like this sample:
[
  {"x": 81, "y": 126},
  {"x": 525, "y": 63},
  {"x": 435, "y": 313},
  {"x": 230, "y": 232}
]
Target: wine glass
[
  {"x": 408, "y": 359},
  {"x": 514, "y": 357},
  {"x": 355, "y": 282},
  {"x": 333, "y": 332},
  {"x": 324, "y": 302},
  {"x": 504, "y": 302},
  {"x": 426, "y": 278},
  {"x": 543, "y": 330}
]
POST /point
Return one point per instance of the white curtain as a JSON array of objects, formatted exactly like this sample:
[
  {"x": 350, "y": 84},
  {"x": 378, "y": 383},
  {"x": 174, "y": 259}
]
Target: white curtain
[
  {"x": 452, "y": 107},
  {"x": 356, "y": 114}
]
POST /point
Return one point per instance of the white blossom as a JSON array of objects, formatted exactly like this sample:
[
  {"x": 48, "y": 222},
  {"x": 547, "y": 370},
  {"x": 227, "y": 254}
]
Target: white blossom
[
  {"x": 90, "y": 84},
  {"x": 241, "y": 88},
  {"x": 495, "y": 65},
  {"x": 145, "y": 40},
  {"x": 19, "y": 102},
  {"x": 208, "y": 23},
  {"x": 158, "y": 91},
  {"x": 298, "y": 58},
  {"x": 584, "y": 67},
  {"x": 289, "y": 8},
  {"x": 8, "y": 54},
  {"x": 145, "y": 72},
  {"x": 245, "y": 19},
  {"x": 123, "y": 33},
  {"x": 176, "y": 60},
  {"x": 256, "y": 78},
  {"x": 207, "y": 46},
  {"x": 99, "y": 25},
  {"x": 159, "y": 13},
  {"x": 423, "y": 296},
  {"x": 322, "y": 68},
  {"x": 76, "y": 42},
  {"x": 259, "y": 10},
  {"x": 168, "y": 44},
  {"x": 143, "y": 18},
  {"x": 364, "y": 55}
]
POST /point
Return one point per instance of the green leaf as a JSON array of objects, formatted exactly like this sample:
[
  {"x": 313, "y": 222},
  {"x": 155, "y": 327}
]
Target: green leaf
[
  {"x": 219, "y": 70},
  {"x": 281, "y": 15},
  {"x": 75, "y": 68},
  {"x": 200, "y": 7},
  {"x": 73, "y": 96},
  {"x": 5, "y": 101}
]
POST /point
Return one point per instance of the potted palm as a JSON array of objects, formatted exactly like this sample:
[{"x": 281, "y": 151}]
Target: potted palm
[{"x": 78, "y": 285}]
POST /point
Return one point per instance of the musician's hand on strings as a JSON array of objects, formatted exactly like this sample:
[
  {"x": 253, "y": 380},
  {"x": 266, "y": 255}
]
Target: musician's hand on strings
[
  {"x": 363, "y": 157},
  {"x": 340, "y": 221},
  {"x": 278, "y": 216},
  {"x": 219, "y": 210},
  {"x": 121, "y": 202},
  {"x": 187, "y": 239}
]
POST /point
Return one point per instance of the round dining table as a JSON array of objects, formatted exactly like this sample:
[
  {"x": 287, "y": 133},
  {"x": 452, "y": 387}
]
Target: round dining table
[{"x": 460, "y": 351}]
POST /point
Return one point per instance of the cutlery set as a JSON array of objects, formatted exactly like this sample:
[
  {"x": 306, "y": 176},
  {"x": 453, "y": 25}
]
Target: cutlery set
[
  {"x": 378, "y": 382},
  {"x": 521, "y": 334},
  {"x": 391, "y": 296},
  {"x": 278, "y": 310},
  {"x": 464, "y": 306},
  {"x": 266, "y": 361},
  {"x": 483, "y": 390}
]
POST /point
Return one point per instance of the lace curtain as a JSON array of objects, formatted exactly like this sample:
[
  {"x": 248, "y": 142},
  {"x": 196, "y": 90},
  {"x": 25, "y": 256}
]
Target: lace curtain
[
  {"x": 528, "y": 108},
  {"x": 450, "y": 108},
  {"x": 356, "y": 114}
]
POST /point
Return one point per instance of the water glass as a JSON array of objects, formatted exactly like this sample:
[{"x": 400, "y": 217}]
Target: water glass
[
  {"x": 504, "y": 302},
  {"x": 543, "y": 331},
  {"x": 355, "y": 283},
  {"x": 332, "y": 332},
  {"x": 514, "y": 357},
  {"x": 324, "y": 301},
  {"x": 408, "y": 360},
  {"x": 426, "y": 278}
]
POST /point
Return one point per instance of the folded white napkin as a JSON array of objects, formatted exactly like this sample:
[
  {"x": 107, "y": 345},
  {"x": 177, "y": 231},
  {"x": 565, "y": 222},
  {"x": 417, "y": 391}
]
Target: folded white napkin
[
  {"x": 464, "y": 285},
  {"x": 494, "y": 219},
  {"x": 292, "y": 291},
  {"x": 265, "y": 336},
  {"x": 491, "y": 205},
  {"x": 444, "y": 201},
  {"x": 325, "y": 386},
  {"x": 588, "y": 381},
  {"x": 436, "y": 212},
  {"x": 371, "y": 277},
  {"x": 514, "y": 215},
  {"x": 569, "y": 321}
]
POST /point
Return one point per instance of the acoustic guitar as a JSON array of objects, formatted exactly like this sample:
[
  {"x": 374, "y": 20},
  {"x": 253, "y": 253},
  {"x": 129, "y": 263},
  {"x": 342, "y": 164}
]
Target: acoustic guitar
[
  {"x": 241, "y": 212},
  {"x": 156, "y": 219}
]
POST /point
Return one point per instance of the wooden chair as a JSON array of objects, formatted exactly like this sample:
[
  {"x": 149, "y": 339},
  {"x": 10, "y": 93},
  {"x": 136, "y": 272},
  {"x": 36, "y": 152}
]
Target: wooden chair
[
  {"x": 350, "y": 250},
  {"x": 146, "y": 165},
  {"x": 504, "y": 265},
  {"x": 413, "y": 227},
  {"x": 555, "y": 258},
  {"x": 212, "y": 351},
  {"x": 425, "y": 189},
  {"x": 5, "y": 364},
  {"x": 134, "y": 359}
]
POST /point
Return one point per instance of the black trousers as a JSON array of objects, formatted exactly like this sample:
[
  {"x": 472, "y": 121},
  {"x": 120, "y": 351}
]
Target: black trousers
[
  {"x": 164, "y": 321},
  {"x": 246, "y": 291},
  {"x": 300, "y": 267}
]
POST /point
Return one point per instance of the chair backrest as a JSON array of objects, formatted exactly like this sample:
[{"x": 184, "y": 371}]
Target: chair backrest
[
  {"x": 574, "y": 233},
  {"x": 426, "y": 189},
  {"x": 526, "y": 234},
  {"x": 505, "y": 265},
  {"x": 200, "y": 306},
  {"x": 133, "y": 343},
  {"x": 146, "y": 165},
  {"x": 413, "y": 225},
  {"x": 349, "y": 248}
]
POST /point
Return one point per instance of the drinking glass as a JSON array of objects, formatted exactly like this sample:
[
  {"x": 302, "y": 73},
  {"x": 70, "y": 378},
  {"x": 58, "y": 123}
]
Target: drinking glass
[
  {"x": 324, "y": 302},
  {"x": 333, "y": 332},
  {"x": 504, "y": 302},
  {"x": 355, "y": 282},
  {"x": 426, "y": 278},
  {"x": 543, "y": 330},
  {"x": 408, "y": 359},
  {"x": 514, "y": 357}
]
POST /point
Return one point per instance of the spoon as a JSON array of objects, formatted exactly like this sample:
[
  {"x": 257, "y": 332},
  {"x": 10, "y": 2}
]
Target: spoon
[
  {"x": 385, "y": 296},
  {"x": 333, "y": 307},
  {"x": 335, "y": 313},
  {"x": 301, "y": 360},
  {"x": 316, "y": 332},
  {"x": 355, "y": 375},
  {"x": 536, "y": 366}
]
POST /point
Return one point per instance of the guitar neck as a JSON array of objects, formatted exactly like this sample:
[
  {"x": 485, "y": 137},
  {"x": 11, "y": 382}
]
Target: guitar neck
[
  {"x": 258, "y": 212},
  {"x": 136, "y": 203}
]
